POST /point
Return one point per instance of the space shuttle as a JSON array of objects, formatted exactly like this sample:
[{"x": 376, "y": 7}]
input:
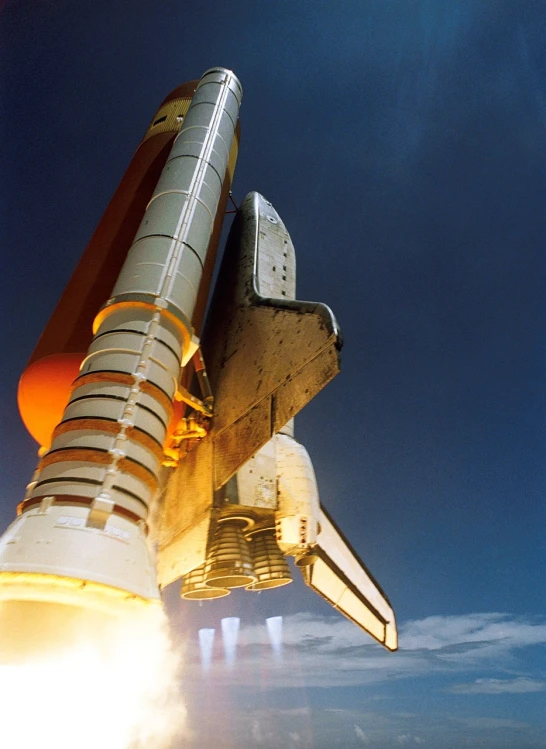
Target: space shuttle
[{"x": 165, "y": 419}]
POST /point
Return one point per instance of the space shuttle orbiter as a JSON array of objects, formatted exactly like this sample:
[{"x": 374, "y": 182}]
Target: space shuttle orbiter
[
  {"x": 267, "y": 355},
  {"x": 150, "y": 423}
]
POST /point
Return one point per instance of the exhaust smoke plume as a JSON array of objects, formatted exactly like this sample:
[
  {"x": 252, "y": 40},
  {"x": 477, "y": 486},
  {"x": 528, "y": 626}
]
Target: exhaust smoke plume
[{"x": 70, "y": 677}]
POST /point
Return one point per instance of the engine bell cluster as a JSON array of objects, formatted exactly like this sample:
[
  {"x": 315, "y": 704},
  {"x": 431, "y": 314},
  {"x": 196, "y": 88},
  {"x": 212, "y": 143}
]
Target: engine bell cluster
[{"x": 235, "y": 561}]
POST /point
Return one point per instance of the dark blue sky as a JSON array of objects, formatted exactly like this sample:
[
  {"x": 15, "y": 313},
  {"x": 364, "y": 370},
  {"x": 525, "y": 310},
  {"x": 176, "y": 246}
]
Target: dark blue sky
[{"x": 403, "y": 142}]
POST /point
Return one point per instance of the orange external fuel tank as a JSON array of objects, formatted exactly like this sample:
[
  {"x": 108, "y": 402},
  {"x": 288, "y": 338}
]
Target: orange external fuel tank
[{"x": 45, "y": 385}]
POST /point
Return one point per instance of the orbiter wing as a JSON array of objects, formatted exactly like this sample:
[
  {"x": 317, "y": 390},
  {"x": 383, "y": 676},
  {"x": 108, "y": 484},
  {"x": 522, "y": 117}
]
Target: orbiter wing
[{"x": 342, "y": 579}]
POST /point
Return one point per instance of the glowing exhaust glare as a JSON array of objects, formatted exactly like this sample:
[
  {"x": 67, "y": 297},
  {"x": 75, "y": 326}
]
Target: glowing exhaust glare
[
  {"x": 70, "y": 591},
  {"x": 206, "y": 643},
  {"x": 111, "y": 684},
  {"x": 274, "y": 631},
  {"x": 230, "y": 636},
  {"x": 53, "y": 554},
  {"x": 84, "y": 640}
]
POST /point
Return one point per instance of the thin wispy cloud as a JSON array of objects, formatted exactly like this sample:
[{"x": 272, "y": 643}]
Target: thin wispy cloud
[
  {"x": 520, "y": 685},
  {"x": 407, "y": 738},
  {"x": 323, "y": 728},
  {"x": 332, "y": 652},
  {"x": 440, "y": 632},
  {"x": 360, "y": 735},
  {"x": 491, "y": 724}
]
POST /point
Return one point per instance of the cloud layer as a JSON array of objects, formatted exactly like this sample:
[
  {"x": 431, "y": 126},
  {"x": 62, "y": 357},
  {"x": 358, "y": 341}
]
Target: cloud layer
[
  {"x": 331, "y": 652},
  {"x": 519, "y": 685},
  {"x": 334, "y": 687}
]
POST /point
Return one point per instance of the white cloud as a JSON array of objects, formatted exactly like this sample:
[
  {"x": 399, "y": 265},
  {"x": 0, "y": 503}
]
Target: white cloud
[
  {"x": 319, "y": 728},
  {"x": 407, "y": 738},
  {"x": 488, "y": 724},
  {"x": 330, "y": 652},
  {"x": 500, "y": 630},
  {"x": 296, "y": 712},
  {"x": 360, "y": 735},
  {"x": 257, "y": 731},
  {"x": 519, "y": 685}
]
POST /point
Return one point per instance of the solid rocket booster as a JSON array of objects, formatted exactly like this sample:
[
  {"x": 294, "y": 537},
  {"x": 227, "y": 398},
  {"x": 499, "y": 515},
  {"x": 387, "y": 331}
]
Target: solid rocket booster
[
  {"x": 105, "y": 457},
  {"x": 44, "y": 387}
]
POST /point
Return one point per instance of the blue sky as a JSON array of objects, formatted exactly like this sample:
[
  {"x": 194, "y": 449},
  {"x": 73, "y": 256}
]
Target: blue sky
[{"x": 403, "y": 142}]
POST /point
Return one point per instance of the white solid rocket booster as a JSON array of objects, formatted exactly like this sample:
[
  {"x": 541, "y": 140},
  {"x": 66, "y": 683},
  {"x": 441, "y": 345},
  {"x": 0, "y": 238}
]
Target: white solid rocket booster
[{"x": 82, "y": 525}]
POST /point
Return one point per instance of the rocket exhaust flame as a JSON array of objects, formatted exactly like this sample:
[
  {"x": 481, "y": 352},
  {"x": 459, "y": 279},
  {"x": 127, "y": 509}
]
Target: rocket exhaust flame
[
  {"x": 230, "y": 636},
  {"x": 114, "y": 676},
  {"x": 206, "y": 643},
  {"x": 274, "y": 630}
]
